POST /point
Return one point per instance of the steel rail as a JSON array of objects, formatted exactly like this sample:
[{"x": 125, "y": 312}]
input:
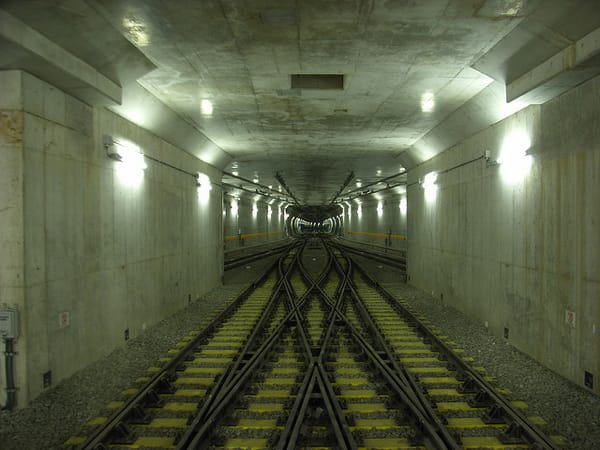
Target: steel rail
[
  {"x": 530, "y": 433},
  {"x": 315, "y": 375},
  {"x": 408, "y": 392},
  {"x": 210, "y": 413},
  {"x": 236, "y": 262},
  {"x": 117, "y": 422}
]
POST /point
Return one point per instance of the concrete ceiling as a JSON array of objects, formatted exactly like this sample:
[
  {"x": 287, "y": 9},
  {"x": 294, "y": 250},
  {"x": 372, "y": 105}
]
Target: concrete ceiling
[{"x": 415, "y": 75}]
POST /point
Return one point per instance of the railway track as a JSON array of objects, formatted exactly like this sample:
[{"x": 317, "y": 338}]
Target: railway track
[{"x": 315, "y": 354}]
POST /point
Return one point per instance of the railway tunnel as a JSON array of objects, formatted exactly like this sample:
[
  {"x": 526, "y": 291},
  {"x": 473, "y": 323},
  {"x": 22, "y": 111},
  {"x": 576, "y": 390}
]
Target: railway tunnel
[{"x": 309, "y": 224}]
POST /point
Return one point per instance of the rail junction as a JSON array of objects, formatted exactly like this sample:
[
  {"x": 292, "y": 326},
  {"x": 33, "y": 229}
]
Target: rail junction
[{"x": 315, "y": 354}]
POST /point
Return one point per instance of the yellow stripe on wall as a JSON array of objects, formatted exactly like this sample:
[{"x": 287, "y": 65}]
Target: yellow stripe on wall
[{"x": 396, "y": 237}]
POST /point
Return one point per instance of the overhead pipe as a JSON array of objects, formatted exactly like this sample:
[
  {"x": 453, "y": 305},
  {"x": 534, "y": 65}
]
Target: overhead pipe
[
  {"x": 285, "y": 186},
  {"x": 345, "y": 184},
  {"x": 382, "y": 180}
]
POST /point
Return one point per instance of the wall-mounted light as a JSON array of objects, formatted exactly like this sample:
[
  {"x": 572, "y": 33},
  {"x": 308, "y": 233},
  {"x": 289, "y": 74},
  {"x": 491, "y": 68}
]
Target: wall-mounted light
[
  {"x": 234, "y": 207},
  {"x": 203, "y": 181},
  {"x": 358, "y": 183},
  {"x": 514, "y": 160},
  {"x": 254, "y": 210},
  {"x": 235, "y": 173},
  {"x": 204, "y": 186},
  {"x": 403, "y": 206},
  {"x": 379, "y": 209},
  {"x": 269, "y": 212},
  {"x": 125, "y": 152},
  {"x": 429, "y": 184}
]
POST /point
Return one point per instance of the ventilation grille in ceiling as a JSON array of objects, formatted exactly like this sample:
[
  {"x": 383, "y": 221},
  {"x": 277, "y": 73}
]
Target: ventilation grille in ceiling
[{"x": 318, "y": 81}]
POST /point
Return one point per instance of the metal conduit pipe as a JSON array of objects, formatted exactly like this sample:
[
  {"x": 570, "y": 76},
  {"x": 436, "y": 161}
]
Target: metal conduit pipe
[{"x": 11, "y": 390}]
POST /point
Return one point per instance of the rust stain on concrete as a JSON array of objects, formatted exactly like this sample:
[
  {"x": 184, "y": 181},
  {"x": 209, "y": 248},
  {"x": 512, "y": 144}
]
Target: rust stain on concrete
[{"x": 11, "y": 127}]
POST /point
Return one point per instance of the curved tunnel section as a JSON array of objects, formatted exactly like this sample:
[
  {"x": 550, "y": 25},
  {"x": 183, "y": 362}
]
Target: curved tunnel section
[{"x": 307, "y": 220}]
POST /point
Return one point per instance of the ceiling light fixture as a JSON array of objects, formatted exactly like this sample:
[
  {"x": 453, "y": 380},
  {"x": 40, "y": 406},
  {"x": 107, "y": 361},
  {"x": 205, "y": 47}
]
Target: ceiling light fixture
[
  {"x": 206, "y": 107},
  {"x": 427, "y": 102}
]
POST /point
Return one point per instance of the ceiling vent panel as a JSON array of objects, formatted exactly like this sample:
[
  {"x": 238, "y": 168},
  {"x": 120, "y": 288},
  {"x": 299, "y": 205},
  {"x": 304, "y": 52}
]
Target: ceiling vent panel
[{"x": 318, "y": 81}]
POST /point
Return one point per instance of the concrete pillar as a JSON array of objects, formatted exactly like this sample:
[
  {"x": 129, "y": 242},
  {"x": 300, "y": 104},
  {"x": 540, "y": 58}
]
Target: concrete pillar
[{"x": 12, "y": 247}]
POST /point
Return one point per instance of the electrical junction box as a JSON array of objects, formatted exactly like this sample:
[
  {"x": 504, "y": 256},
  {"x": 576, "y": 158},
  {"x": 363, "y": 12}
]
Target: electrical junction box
[{"x": 8, "y": 323}]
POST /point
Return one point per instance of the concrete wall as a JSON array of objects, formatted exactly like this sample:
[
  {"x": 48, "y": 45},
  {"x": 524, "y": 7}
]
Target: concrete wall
[
  {"x": 520, "y": 251},
  {"x": 251, "y": 224},
  {"x": 102, "y": 251},
  {"x": 381, "y": 222}
]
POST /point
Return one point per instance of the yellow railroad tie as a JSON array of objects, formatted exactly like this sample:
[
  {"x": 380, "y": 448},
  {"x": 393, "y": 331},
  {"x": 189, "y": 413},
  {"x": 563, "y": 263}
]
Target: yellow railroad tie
[
  {"x": 285, "y": 371},
  {"x": 354, "y": 381},
  {"x": 487, "y": 442},
  {"x": 440, "y": 380},
  {"x": 358, "y": 393},
  {"x": 220, "y": 351},
  {"x": 374, "y": 424},
  {"x": 387, "y": 443},
  {"x": 271, "y": 393},
  {"x": 409, "y": 351},
  {"x": 129, "y": 392},
  {"x": 115, "y": 405},
  {"x": 561, "y": 441},
  {"x": 537, "y": 420},
  {"x": 455, "y": 406},
  {"x": 426, "y": 370},
  {"x": 168, "y": 422},
  {"x": 366, "y": 407},
  {"x": 153, "y": 369},
  {"x": 248, "y": 444},
  {"x": 519, "y": 404},
  {"x": 181, "y": 344},
  {"x": 96, "y": 421},
  {"x": 153, "y": 442},
  {"x": 352, "y": 370},
  {"x": 408, "y": 344},
  {"x": 75, "y": 440},
  {"x": 265, "y": 407},
  {"x": 256, "y": 424},
  {"x": 276, "y": 381},
  {"x": 470, "y": 422},
  {"x": 345, "y": 360},
  {"x": 142, "y": 380},
  {"x": 422, "y": 359},
  {"x": 197, "y": 381},
  {"x": 187, "y": 393},
  {"x": 211, "y": 371},
  {"x": 211, "y": 360},
  {"x": 287, "y": 360},
  {"x": 180, "y": 406}
]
